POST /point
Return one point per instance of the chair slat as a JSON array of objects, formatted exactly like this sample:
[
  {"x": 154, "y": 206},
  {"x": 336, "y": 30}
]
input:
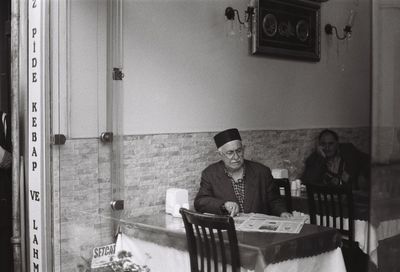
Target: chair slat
[
  {"x": 222, "y": 247},
  {"x": 214, "y": 249},
  {"x": 206, "y": 245},
  {"x": 351, "y": 215},
  {"x": 341, "y": 212},
  {"x": 311, "y": 207},
  {"x": 320, "y": 210},
  {"x": 201, "y": 249},
  {"x": 326, "y": 209},
  {"x": 333, "y": 208},
  {"x": 233, "y": 245}
]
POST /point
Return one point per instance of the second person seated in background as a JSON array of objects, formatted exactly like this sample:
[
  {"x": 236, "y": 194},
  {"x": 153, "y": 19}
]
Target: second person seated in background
[
  {"x": 235, "y": 185},
  {"x": 334, "y": 163}
]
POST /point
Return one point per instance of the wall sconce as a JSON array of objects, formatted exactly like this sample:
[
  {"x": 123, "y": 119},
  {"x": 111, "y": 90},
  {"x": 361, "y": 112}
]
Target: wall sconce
[
  {"x": 230, "y": 17},
  {"x": 346, "y": 30}
]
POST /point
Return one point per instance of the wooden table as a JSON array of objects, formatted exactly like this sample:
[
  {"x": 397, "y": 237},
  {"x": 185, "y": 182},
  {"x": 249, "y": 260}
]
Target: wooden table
[{"x": 256, "y": 249}]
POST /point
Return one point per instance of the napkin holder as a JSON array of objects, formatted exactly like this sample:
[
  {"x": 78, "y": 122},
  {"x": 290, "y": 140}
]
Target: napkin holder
[
  {"x": 175, "y": 199},
  {"x": 280, "y": 173}
]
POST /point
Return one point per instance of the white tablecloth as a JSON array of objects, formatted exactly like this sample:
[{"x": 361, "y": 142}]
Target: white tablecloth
[
  {"x": 362, "y": 230},
  {"x": 161, "y": 259}
]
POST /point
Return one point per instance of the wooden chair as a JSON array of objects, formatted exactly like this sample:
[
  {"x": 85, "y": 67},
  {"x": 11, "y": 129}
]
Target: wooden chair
[
  {"x": 332, "y": 206},
  {"x": 206, "y": 244},
  {"x": 285, "y": 184}
]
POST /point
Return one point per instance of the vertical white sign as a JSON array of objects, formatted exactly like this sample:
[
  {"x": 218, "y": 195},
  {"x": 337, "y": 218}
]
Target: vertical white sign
[{"x": 35, "y": 156}]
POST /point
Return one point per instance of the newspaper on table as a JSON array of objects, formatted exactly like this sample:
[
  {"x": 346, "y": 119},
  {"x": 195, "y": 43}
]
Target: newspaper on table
[{"x": 265, "y": 223}]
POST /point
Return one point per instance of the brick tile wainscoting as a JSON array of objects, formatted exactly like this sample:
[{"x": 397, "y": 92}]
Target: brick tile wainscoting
[{"x": 154, "y": 163}]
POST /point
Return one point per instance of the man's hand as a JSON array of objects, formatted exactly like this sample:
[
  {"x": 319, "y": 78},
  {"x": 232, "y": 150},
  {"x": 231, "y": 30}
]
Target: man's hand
[
  {"x": 232, "y": 208},
  {"x": 286, "y": 215},
  {"x": 5, "y": 159},
  {"x": 321, "y": 151}
]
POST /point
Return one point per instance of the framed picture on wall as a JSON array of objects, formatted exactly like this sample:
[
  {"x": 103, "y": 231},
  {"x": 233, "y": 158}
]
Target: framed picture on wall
[{"x": 286, "y": 28}]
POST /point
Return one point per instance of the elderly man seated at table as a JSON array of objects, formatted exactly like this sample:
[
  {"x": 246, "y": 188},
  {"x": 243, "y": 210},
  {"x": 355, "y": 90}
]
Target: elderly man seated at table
[
  {"x": 335, "y": 163},
  {"x": 234, "y": 185}
]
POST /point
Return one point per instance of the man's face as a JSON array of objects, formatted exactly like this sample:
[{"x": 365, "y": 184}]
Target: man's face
[
  {"x": 232, "y": 154},
  {"x": 329, "y": 145}
]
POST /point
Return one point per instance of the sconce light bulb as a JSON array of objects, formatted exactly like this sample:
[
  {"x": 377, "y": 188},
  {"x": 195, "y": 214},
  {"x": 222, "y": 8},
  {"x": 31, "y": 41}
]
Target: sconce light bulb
[
  {"x": 230, "y": 27},
  {"x": 249, "y": 34},
  {"x": 350, "y": 21},
  {"x": 348, "y": 35}
]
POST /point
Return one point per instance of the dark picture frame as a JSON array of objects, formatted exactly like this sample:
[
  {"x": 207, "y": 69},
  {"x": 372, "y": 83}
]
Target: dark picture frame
[{"x": 286, "y": 28}]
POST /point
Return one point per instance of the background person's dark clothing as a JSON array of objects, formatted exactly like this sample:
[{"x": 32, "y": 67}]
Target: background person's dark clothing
[
  {"x": 261, "y": 194},
  {"x": 6, "y": 260},
  {"x": 355, "y": 164}
]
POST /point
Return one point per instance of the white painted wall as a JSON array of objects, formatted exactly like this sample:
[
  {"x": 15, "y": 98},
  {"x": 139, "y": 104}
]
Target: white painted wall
[
  {"x": 87, "y": 56},
  {"x": 183, "y": 74}
]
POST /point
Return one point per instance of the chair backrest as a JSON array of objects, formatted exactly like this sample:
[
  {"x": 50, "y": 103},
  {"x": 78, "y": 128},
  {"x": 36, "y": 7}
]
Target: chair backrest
[
  {"x": 206, "y": 243},
  {"x": 332, "y": 206},
  {"x": 284, "y": 183}
]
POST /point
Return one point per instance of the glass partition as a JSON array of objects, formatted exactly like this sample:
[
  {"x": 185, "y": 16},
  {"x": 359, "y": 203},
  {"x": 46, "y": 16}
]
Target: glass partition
[
  {"x": 385, "y": 171},
  {"x": 86, "y": 170}
]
